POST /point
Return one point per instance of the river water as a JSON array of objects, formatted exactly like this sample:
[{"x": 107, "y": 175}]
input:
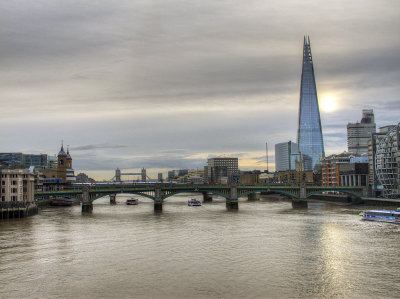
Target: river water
[{"x": 264, "y": 250}]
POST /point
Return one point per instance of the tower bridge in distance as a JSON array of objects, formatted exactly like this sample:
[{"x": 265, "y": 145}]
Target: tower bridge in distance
[
  {"x": 119, "y": 174},
  {"x": 300, "y": 195}
]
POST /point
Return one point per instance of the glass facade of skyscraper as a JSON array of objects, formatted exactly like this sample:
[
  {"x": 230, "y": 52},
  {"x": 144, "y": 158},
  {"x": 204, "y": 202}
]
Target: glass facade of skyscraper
[{"x": 309, "y": 134}]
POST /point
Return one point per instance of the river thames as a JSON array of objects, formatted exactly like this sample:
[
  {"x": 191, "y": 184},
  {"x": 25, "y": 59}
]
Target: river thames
[{"x": 264, "y": 250}]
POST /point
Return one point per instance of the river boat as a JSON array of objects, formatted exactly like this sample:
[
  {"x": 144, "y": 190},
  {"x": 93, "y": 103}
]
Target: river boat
[
  {"x": 63, "y": 202},
  {"x": 381, "y": 216},
  {"x": 194, "y": 202},
  {"x": 132, "y": 201}
]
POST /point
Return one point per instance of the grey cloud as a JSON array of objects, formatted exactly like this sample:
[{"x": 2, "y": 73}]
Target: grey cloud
[
  {"x": 154, "y": 82},
  {"x": 97, "y": 146}
]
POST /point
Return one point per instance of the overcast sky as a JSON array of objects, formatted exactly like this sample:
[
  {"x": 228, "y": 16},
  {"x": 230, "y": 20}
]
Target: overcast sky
[{"x": 166, "y": 84}]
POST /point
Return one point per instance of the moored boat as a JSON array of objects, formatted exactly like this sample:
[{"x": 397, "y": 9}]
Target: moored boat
[
  {"x": 381, "y": 216},
  {"x": 194, "y": 202},
  {"x": 63, "y": 202},
  {"x": 132, "y": 201}
]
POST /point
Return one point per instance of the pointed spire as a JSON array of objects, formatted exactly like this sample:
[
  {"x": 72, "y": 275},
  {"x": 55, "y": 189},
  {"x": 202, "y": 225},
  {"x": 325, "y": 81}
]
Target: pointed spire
[
  {"x": 62, "y": 152},
  {"x": 68, "y": 155}
]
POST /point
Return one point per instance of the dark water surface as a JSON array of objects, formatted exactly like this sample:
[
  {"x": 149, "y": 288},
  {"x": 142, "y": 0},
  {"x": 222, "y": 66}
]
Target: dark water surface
[{"x": 265, "y": 250}]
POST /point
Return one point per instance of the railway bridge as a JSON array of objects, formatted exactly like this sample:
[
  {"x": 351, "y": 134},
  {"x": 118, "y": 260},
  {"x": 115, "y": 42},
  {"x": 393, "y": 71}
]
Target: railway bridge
[{"x": 87, "y": 194}]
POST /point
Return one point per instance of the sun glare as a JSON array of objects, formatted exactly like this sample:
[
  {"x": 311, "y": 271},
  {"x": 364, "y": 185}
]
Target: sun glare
[{"x": 328, "y": 103}]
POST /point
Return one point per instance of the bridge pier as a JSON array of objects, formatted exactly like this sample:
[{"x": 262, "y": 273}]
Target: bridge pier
[
  {"x": 113, "y": 199},
  {"x": 207, "y": 197},
  {"x": 253, "y": 196},
  {"x": 232, "y": 202},
  {"x": 158, "y": 200},
  {"x": 300, "y": 203},
  {"x": 87, "y": 205}
]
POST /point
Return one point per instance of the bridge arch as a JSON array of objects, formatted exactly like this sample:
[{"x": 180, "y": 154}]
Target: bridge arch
[
  {"x": 195, "y": 191},
  {"x": 357, "y": 195},
  {"x": 65, "y": 196},
  {"x": 287, "y": 193},
  {"x": 73, "y": 197},
  {"x": 121, "y": 192},
  {"x": 249, "y": 192}
]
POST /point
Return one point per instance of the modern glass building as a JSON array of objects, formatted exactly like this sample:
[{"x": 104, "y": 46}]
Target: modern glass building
[
  {"x": 387, "y": 160},
  {"x": 285, "y": 156},
  {"x": 309, "y": 133}
]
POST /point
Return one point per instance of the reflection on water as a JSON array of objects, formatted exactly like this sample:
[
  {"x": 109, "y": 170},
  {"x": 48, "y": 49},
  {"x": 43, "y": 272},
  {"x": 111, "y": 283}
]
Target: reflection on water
[{"x": 264, "y": 250}]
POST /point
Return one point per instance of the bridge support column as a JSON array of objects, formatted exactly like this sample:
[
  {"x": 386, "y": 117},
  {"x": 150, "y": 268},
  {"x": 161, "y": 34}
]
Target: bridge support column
[
  {"x": 87, "y": 205},
  {"x": 207, "y": 197},
  {"x": 113, "y": 200},
  {"x": 158, "y": 200},
  {"x": 232, "y": 202},
  {"x": 300, "y": 203},
  {"x": 253, "y": 196}
]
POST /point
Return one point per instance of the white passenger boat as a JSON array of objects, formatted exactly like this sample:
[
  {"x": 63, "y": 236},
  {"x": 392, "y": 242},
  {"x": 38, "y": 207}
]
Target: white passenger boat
[
  {"x": 194, "y": 202},
  {"x": 381, "y": 216},
  {"x": 132, "y": 201}
]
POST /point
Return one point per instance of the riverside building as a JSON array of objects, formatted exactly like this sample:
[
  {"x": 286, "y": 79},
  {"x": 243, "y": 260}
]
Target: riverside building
[
  {"x": 375, "y": 189},
  {"x": 309, "y": 134},
  {"x": 17, "y": 193},
  {"x": 387, "y": 161},
  {"x": 344, "y": 170}
]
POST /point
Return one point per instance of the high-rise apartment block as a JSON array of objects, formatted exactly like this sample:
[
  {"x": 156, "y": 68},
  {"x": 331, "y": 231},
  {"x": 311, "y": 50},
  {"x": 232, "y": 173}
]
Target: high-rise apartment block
[
  {"x": 286, "y": 154},
  {"x": 309, "y": 134},
  {"x": 359, "y": 133}
]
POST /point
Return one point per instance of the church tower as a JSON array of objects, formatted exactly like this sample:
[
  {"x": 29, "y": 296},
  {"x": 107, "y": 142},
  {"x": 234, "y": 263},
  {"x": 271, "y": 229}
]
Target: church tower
[
  {"x": 62, "y": 159},
  {"x": 69, "y": 159}
]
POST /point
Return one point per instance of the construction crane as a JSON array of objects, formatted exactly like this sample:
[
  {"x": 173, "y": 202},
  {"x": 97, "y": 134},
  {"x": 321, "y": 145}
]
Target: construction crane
[{"x": 266, "y": 148}]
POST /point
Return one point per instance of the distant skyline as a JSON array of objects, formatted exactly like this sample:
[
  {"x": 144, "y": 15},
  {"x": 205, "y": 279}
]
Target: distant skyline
[{"x": 167, "y": 84}]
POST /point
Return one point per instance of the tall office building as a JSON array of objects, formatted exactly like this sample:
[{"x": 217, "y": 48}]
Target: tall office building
[
  {"x": 224, "y": 168},
  {"x": 286, "y": 154},
  {"x": 309, "y": 133},
  {"x": 359, "y": 133}
]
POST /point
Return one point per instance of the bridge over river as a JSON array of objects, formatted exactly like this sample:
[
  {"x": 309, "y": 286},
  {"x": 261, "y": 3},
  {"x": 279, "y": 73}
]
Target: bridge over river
[{"x": 159, "y": 192}]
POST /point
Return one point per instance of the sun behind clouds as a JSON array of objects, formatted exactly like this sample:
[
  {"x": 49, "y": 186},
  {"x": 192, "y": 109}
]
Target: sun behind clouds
[{"x": 329, "y": 103}]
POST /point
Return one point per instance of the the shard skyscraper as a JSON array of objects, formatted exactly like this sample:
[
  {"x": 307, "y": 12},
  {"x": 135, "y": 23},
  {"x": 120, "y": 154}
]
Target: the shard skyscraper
[{"x": 309, "y": 133}]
